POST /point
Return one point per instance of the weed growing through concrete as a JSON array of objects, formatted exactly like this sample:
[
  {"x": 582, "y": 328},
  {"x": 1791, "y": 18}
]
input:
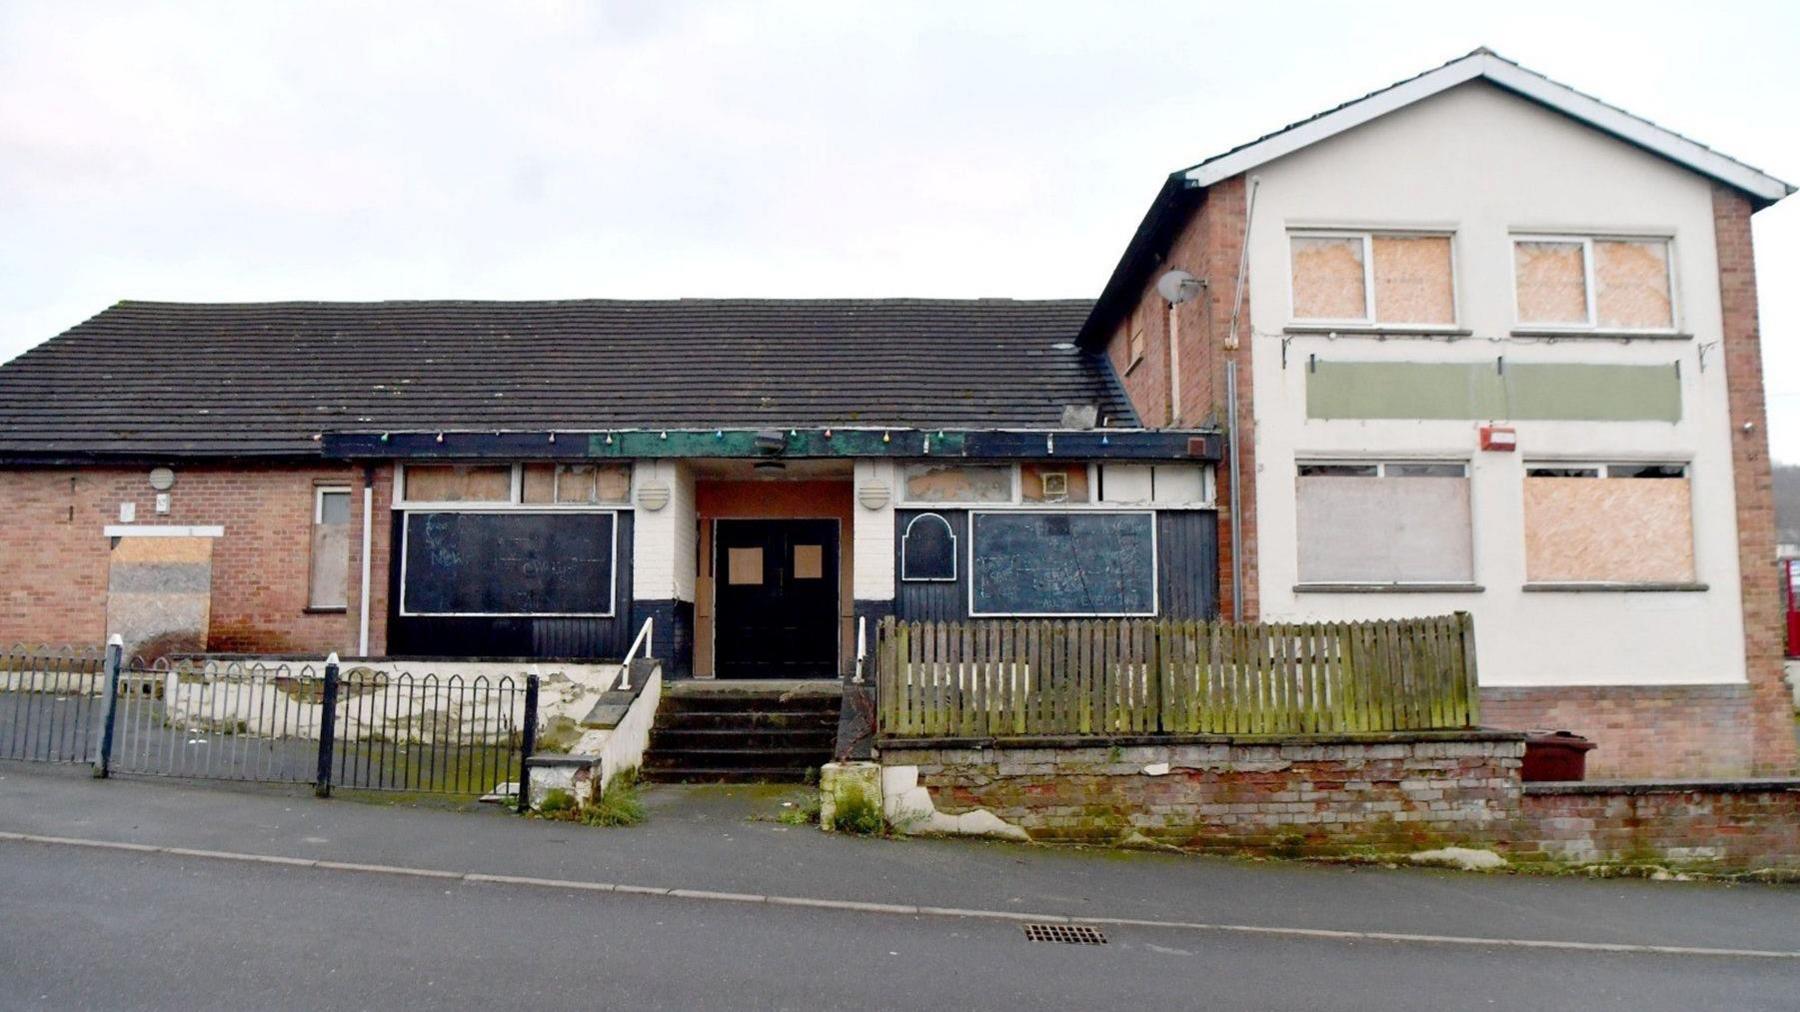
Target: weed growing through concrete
[
  {"x": 855, "y": 812},
  {"x": 621, "y": 804},
  {"x": 801, "y": 812}
]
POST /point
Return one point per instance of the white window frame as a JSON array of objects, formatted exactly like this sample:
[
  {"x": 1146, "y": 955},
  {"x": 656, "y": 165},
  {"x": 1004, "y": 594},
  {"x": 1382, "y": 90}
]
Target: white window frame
[
  {"x": 1603, "y": 469},
  {"x": 1155, "y": 569},
  {"x": 1381, "y": 465},
  {"x": 319, "y": 493},
  {"x": 516, "y": 493},
  {"x": 1586, "y": 241},
  {"x": 612, "y": 581},
  {"x": 1371, "y": 319},
  {"x": 1096, "y": 496}
]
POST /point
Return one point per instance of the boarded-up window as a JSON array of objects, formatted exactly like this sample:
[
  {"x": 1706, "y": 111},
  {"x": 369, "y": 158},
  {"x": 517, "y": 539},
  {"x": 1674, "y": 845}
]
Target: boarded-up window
[
  {"x": 1054, "y": 483},
  {"x": 330, "y": 571},
  {"x": 1412, "y": 279},
  {"x": 1398, "y": 523},
  {"x": 458, "y": 483},
  {"x": 958, "y": 483},
  {"x": 1552, "y": 282},
  {"x": 1329, "y": 280},
  {"x": 1631, "y": 284},
  {"x": 1372, "y": 277},
  {"x": 744, "y": 566},
  {"x": 809, "y": 562},
  {"x": 575, "y": 484},
  {"x": 1608, "y": 524}
]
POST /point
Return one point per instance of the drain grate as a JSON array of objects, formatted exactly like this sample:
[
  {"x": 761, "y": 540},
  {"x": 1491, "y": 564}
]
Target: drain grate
[{"x": 1068, "y": 934}]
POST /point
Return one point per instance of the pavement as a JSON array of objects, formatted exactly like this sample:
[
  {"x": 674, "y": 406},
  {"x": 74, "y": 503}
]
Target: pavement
[{"x": 761, "y": 914}]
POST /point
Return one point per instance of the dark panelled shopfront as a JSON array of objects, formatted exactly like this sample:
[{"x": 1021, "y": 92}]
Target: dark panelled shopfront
[{"x": 513, "y": 583}]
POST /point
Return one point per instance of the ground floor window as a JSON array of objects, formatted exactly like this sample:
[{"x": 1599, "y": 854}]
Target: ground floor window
[
  {"x": 1608, "y": 523},
  {"x": 328, "y": 585},
  {"x": 507, "y": 563},
  {"x": 1087, "y": 562},
  {"x": 1384, "y": 522}
]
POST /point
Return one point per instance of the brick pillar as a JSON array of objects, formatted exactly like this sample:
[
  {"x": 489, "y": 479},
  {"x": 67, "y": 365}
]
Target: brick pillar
[
  {"x": 1213, "y": 245},
  {"x": 1771, "y": 718}
]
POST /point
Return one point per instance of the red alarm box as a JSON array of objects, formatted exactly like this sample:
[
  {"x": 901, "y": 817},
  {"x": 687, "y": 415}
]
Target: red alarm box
[{"x": 1499, "y": 437}]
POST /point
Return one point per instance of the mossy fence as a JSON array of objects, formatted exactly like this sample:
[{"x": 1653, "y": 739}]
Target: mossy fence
[{"x": 1002, "y": 678}]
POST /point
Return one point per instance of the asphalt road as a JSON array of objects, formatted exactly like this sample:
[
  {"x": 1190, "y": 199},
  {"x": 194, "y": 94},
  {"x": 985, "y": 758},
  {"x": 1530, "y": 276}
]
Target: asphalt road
[
  {"x": 83, "y": 927},
  {"x": 100, "y": 930}
]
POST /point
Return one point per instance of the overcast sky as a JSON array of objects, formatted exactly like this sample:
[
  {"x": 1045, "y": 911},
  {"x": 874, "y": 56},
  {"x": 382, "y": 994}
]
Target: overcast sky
[{"x": 242, "y": 151}]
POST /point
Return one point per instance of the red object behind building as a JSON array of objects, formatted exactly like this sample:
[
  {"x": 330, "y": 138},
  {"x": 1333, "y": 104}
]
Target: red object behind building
[{"x": 1790, "y": 597}]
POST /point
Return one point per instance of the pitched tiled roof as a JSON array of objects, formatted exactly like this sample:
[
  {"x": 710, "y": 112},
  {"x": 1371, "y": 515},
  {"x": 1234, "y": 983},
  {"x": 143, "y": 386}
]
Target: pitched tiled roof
[{"x": 152, "y": 378}]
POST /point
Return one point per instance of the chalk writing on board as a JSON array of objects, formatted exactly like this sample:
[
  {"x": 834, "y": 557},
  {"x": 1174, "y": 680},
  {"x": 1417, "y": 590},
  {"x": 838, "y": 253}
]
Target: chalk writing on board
[{"x": 1073, "y": 563}]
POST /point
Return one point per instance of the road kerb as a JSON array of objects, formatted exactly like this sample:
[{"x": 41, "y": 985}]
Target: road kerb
[{"x": 858, "y": 906}]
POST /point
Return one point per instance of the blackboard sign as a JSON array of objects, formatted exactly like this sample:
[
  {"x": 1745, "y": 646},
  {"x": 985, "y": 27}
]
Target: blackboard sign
[
  {"x": 928, "y": 549},
  {"x": 508, "y": 564},
  {"x": 1063, "y": 564}
]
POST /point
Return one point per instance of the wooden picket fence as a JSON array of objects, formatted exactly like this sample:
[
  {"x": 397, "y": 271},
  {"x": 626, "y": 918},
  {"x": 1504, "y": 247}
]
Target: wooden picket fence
[{"x": 1001, "y": 678}]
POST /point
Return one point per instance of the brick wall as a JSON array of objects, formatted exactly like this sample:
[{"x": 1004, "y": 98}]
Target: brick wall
[
  {"x": 1398, "y": 793},
  {"x": 1207, "y": 246},
  {"x": 1641, "y": 730},
  {"x": 1771, "y": 719},
  {"x": 56, "y": 557},
  {"x": 1727, "y": 826}
]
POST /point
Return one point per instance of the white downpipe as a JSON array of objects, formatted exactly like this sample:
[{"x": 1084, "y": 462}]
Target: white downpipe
[
  {"x": 1174, "y": 366},
  {"x": 862, "y": 646},
  {"x": 362, "y": 636},
  {"x": 642, "y": 640}
]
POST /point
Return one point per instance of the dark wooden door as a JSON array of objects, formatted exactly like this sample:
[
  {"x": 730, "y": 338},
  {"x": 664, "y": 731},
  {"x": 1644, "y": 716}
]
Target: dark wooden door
[{"x": 775, "y": 598}]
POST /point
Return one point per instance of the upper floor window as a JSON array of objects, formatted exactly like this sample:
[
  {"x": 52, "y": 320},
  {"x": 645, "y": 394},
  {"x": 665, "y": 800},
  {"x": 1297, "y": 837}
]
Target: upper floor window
[
  {"x": 1589, "y": 283},
  {"x": 1372, "y": 278}
]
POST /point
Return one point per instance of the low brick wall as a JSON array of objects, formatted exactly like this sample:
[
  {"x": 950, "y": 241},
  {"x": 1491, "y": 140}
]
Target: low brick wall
[
  {"x": 1729, "y": 825},
  {"x": 1642, "y": 731},
  {"x": 1318, "y": 796}
]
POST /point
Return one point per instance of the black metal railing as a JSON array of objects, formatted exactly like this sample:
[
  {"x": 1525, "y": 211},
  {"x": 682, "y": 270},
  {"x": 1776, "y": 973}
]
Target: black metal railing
[
  {"x": 51, "y": 702},
  {"x": 366, "y": 729},
  {"x": 401, "y": 732}
]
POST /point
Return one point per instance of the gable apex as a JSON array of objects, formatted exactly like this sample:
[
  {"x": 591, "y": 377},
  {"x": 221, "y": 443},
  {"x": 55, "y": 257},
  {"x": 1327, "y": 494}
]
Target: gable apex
[{"x": 1484, "y": 64}]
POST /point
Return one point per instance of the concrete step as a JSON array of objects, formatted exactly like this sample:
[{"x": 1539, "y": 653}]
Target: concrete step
[
  {"x": 736, "y": 758},
  {"x": 741, "y": 775},
  {"x": 747, "y": 720},
  {"x": 675, "y": 739}
]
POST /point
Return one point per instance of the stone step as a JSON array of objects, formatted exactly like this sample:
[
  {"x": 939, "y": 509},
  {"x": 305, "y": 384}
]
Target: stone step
[
  {"x": 680, "y": 738},
  {"x": 754, "y": 720},
  {"x": 738, "y": 775},
  {"x": 736, "y": 758}
]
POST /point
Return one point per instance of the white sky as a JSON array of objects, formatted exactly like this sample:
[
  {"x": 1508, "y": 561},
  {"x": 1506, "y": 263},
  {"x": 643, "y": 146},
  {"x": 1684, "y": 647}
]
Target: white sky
[{"x": 241, "y": 151}]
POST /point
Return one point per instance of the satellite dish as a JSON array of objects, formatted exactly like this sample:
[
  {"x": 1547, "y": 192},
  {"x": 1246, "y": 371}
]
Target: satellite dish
[{"x": 1177, "y": 287}]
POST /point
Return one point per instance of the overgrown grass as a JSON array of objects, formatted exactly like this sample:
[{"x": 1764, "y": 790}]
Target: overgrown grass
[
  {"x": 856, "y": 813},
  {"x": 621, "y": 804}
]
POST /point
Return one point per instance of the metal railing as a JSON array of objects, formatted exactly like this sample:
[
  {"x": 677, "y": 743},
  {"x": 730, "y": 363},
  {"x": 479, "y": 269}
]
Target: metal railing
[
  {"x": 51, "y": 702},
  {"x": 367, "y": 728}
]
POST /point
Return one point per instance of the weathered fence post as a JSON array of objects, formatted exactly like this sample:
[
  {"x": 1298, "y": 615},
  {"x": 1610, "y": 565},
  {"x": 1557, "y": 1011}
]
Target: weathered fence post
[
  {"x": 327, "y": 727},
  {"x": 115, "y": 657},
  {"x": 528, "y": 743}
]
